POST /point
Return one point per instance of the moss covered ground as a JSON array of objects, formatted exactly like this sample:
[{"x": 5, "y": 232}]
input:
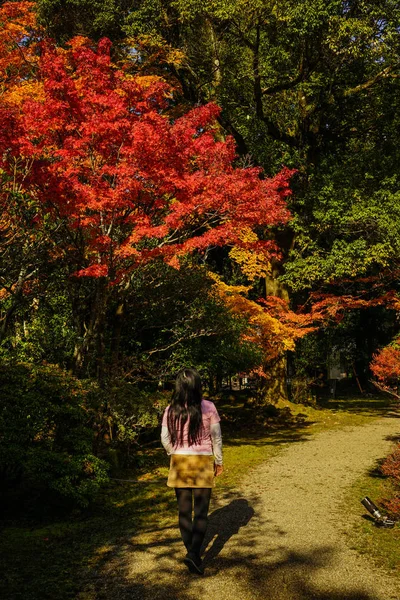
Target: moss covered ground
[{"x": 382, "y": 546}]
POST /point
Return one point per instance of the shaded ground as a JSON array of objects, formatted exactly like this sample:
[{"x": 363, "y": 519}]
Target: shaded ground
[
  {"x": 367, "y": 405},
  {"x": 98, "y": 553},
  {"x": 280, "y": 536}
]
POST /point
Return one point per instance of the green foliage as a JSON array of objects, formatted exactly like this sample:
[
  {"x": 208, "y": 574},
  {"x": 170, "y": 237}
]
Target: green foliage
[
  {"x": 310, "y": 84},
  {"x": 174, "y": 318},
  {"x": 353, "y": 341},
  {"x": 43, "y": 329},
  {"x": 129, "y": 415},
  {"x": 146, "y": 18},
  {"x": 93, "y": 18},
  {"x": 348, "y": 229},
  {"x": 46, "y": 440}
]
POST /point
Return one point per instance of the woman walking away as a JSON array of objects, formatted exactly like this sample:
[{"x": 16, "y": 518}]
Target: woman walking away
[{"x": 191, "y": 434}]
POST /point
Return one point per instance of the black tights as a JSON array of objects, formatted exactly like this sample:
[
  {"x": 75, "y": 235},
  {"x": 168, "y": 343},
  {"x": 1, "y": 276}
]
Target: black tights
[{"x": 193, "y": 532}]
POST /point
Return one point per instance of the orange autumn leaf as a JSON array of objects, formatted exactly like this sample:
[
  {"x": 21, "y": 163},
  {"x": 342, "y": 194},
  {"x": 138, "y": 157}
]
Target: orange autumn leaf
[
  {"x": 273, "y": 327},
  {"x": 18, "y": 43}
]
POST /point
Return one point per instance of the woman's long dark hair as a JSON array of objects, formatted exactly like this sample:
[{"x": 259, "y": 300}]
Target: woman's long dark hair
[{"x": 186, "y": 404}]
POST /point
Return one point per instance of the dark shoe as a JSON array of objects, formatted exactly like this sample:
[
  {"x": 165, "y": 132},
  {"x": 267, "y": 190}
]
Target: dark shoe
[{"x": 194, "y": 563}]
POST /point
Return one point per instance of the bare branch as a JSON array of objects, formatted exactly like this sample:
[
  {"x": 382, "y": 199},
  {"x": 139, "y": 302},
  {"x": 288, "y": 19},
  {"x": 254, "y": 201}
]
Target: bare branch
[
  {"x": 183, "y": 339},
  {"x": 385, "y": 388}
]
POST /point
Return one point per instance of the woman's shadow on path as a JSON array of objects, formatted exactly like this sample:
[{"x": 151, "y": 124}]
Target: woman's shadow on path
[{"x": 224, "y": 523}]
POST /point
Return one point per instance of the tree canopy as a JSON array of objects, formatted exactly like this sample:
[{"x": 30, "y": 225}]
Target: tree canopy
[{"x": 212, "y": 183}]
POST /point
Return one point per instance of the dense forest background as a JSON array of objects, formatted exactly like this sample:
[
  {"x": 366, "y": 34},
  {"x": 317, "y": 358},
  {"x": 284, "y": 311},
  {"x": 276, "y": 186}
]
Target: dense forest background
[{"x": 144, "y": 229}]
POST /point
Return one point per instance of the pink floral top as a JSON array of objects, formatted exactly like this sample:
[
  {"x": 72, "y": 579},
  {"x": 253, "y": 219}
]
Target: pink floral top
[{"x": 210, "y": 416}]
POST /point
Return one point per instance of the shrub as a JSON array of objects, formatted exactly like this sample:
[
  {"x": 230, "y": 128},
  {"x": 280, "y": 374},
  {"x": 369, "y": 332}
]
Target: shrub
[
  {"x": 303, "y": 390},
  {"x": 45, "y": 434},
  {"x": 391, "y": 468},
  {"x": 128, "y": 416},
  {"x": 385, "y": 366}
]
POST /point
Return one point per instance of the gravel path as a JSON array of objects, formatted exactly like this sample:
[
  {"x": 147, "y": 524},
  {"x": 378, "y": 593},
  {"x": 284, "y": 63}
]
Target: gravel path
[{"x": 279, "y": 537}]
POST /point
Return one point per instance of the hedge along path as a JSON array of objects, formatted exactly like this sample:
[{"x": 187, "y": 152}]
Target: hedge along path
[{"x": 281, "y": 536}]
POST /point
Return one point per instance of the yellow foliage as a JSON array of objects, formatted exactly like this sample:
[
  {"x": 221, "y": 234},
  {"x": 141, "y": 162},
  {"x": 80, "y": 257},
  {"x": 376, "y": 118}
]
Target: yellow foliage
[
  {"x": 156, "y": 49},
  {"x": 146, "y": 81},
  {"x": 24, "y": 90},
  {"x": 272, "y": 326},
  {"x": 18, "y": 56},
  {"x": 252, "y": 264},
  {"x": 175, "y": 57}
]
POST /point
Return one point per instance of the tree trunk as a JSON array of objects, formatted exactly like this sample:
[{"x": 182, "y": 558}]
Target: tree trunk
[
  {"x": 273, "y": 287},
  {"x": 116, "y": 336},
  {"x": 22, "y": 277},
  {"x": 276, "y": 388},
  {"x": 93, "y": 338},
  {"x": 216, "y": 66}
]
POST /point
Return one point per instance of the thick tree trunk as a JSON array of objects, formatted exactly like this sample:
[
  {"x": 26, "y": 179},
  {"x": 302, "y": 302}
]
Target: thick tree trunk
[
  {"x": 276, "y": 387},
  {"x": 216, "y": 66},
  {"x": 274, "y": 287},
  {"x": 91, "y": 351}
]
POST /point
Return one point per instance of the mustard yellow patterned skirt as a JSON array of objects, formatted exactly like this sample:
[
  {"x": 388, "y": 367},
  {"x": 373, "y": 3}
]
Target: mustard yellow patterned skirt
[{"x": 191, "y": 471}]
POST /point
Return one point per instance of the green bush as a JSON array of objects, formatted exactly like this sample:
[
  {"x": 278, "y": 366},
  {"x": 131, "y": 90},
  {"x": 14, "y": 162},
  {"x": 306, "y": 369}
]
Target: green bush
[
  {"x": 131, "y": 416},
  {"x": 45, "y": 434}
]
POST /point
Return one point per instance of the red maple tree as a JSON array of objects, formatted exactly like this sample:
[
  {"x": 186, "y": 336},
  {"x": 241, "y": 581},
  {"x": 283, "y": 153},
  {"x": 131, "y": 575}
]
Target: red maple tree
[
  {"x": 97, "y": 151},
  {"x": 106, "y": 158}
]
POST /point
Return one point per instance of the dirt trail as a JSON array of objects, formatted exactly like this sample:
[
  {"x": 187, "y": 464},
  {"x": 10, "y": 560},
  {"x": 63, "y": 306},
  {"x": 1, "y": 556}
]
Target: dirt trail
[{"x": 279, "y": 537}]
